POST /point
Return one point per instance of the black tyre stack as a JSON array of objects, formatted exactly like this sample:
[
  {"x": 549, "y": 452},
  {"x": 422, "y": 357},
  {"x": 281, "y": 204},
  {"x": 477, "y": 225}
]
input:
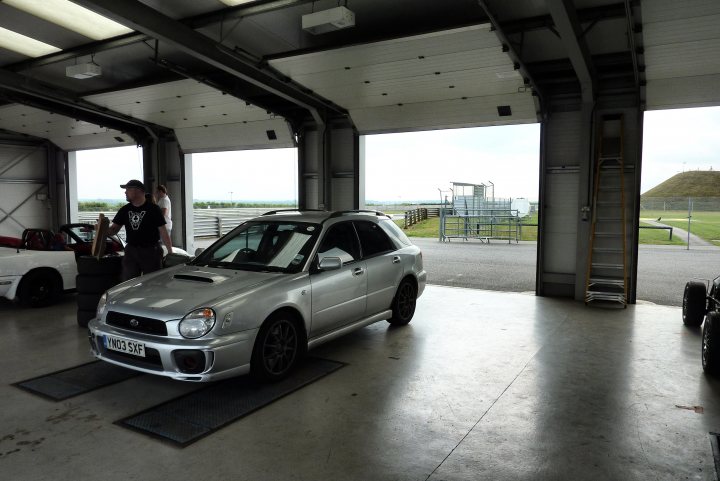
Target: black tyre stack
[{"x": 95, "y": 276}]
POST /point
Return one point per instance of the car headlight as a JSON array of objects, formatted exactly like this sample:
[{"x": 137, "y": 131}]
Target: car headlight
[
  {"x": 101, "y": 306},
  {"x": 197, "y": 323}
]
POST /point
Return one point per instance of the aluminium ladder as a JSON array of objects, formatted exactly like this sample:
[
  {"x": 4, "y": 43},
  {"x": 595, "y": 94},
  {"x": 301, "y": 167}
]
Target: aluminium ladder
[{"x": 606, "y": 279}]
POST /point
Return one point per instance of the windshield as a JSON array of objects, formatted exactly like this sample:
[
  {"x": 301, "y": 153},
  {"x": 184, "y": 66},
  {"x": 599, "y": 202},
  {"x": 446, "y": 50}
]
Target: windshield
[{"x": 263, "y": 246}]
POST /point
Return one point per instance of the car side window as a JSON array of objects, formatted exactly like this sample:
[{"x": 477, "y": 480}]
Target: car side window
[
  {"x": 373, "y": 239},
  {"x": 340, "y": 241}
]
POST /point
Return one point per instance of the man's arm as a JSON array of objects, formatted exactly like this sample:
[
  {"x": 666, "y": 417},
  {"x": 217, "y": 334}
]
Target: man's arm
[
  {"x": 165, "y": 238},
  {"x": 162, "y": 203},
  {"x": 114, "y": 228}
]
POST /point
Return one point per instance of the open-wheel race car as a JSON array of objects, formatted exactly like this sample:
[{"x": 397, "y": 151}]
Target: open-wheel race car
[{"x": 701, "y": 302}]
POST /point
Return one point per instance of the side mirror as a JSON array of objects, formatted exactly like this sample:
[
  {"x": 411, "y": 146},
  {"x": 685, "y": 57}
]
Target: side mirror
[
  {"x": 199, "y": 251},
  {"x": 330, "y": 263}
]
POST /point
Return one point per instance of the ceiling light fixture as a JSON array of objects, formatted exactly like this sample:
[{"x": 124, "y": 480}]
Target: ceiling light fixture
[
  {"x": 328, "y": 20},
  {"x": 71, "y": 16},
  {"x": 24, "y": 45},
  {"x": 84, "y": 70}
]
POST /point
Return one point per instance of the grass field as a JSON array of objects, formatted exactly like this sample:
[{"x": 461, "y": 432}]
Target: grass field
[{"x": 704, "y": 224}]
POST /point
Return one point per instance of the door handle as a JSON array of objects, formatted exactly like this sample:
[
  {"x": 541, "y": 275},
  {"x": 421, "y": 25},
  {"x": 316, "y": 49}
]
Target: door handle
[
  {"x": 358, "y": 271},
  {"x": 396, "y": 260}
]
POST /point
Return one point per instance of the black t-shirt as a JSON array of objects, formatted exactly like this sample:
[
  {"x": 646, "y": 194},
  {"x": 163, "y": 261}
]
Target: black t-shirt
[{"x": 141, "y": 223}]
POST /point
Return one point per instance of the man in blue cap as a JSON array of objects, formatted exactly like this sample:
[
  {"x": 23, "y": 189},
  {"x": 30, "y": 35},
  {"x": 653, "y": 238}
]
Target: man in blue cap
[{"x": 144, "y": 228}]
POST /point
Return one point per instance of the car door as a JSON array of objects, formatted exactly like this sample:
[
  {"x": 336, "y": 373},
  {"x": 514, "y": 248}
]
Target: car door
[
  {"x": 384, "y": 266},
  {"x": 338, "y": 296}
]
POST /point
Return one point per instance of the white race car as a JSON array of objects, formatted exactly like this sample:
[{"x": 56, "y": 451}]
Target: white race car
[{"x": 37, "y": 267}]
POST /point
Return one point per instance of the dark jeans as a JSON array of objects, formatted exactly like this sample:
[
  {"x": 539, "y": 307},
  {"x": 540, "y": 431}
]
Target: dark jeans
[{"x": 141, "y": 260}]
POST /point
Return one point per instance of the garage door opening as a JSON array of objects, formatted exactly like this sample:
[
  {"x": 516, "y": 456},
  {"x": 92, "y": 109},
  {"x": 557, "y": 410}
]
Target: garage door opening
[
  {"x": 479, "y": 190},
  {"x": 679, "y": 203},
  {"x": 231, "y": 187},
  {"x": 99, "y": 174}
]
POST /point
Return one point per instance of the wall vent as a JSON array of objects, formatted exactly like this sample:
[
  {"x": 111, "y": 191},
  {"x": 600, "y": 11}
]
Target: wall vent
[{"x": 504, "y": 111}]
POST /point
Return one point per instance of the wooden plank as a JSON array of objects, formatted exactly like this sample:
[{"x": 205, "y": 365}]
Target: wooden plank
[{"x": 101, "y": 230}]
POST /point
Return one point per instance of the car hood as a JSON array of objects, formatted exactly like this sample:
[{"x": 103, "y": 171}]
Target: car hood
[
  {"x": 13, "y": 252},
  {"x": 172, "y": 293}
]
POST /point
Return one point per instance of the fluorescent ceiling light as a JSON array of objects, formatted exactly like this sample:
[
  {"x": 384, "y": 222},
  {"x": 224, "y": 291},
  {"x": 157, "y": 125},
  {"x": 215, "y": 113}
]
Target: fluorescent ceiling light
[
  {"x": 25, "y": 45},
  {"x": 71, "y": 16},
  {"x": 232, "y": 3}
]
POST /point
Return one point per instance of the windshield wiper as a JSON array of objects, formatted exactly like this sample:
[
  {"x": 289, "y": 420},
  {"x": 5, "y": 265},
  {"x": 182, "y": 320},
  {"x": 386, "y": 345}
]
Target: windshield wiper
[{"x": 223, "y": 264}]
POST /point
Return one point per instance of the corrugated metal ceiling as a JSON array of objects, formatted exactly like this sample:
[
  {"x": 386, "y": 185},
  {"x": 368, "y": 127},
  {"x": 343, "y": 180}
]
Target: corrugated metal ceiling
[
  {"x": 682, "y": 50},
  {"x": 407, "y": 65}
]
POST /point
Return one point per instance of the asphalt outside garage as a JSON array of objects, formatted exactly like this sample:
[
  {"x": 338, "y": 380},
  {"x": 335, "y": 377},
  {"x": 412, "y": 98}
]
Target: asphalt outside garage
[
  {"x": 510, "y": 267},
  {"x": 499, "y": 266}
]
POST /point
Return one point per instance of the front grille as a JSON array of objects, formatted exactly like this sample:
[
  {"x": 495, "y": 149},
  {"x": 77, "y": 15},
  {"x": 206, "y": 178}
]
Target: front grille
[{"x": 144, "y": 324}]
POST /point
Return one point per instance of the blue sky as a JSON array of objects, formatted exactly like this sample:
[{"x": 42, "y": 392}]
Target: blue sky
[{"x": 413, "y": 166}]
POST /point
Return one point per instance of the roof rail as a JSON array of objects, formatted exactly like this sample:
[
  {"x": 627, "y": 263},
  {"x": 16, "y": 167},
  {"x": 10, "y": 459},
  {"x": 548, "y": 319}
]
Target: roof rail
[
  {"x": 273, "y": 212},
  {"x": 340, "y": 213}
]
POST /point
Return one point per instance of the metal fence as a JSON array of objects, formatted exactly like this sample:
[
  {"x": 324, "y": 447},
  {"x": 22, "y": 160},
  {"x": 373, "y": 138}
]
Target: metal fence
[
  {"x": 481, "y": 224},
  {"x": 664, "y": 204},
  {"x": 207, "y": 222}
]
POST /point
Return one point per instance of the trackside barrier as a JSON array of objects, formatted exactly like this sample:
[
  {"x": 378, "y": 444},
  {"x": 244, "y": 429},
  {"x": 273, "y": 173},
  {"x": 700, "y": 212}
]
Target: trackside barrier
[{"x": 668, "y": 228}]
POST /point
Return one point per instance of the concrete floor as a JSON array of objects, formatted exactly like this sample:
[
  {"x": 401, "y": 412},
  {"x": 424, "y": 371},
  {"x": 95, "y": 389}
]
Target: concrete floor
[{"x": 480, "y": 386}]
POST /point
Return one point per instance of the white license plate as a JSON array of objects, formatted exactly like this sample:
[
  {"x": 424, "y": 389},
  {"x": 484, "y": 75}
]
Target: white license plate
[{"x": 124, "y": 345}]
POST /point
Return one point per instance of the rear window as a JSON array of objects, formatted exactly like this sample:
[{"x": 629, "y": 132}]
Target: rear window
[
  {"x": 373, "y": 239},
  {"x": 395, "y": 233}
]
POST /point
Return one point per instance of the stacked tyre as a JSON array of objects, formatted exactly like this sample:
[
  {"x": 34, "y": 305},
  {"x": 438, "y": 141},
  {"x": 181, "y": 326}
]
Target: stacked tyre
[{"x": 95, "y": 276}]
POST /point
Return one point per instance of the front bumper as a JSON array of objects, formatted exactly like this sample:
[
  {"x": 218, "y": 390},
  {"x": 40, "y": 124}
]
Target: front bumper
[
  {"x": 8, "y": 286},
  {"x": 218, "y": 358}
]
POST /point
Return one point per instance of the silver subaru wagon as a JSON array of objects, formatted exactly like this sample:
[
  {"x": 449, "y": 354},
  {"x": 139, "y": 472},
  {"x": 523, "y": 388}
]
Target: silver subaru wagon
[{"x": 257, "y": 299}]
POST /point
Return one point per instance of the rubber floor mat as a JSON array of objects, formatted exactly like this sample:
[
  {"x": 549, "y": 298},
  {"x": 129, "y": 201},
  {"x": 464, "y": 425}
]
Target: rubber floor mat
[
  {"x": 77, "y": 380},
  {"x": 189, "y": 418}
]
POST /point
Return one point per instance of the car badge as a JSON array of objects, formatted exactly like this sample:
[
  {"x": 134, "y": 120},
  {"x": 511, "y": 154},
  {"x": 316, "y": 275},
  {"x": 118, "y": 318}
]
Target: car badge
[{"x": 134, "y": 323}]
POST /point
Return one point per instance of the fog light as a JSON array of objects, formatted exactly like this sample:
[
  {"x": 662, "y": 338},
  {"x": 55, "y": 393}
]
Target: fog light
[{"x": 189, "y": 361}]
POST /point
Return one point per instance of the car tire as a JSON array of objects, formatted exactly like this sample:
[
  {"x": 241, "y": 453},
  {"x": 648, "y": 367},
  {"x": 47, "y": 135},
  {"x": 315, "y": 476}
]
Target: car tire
[
  {"x": 403, "y": 304},
  {"x": 279, "y": 347},
  {"x": 694, "y": 304},
  {"x": 92, "y": 266},
  {"x": 39, "y": 288},
  {"x": 85, "y": 284},
  {"x": 88, "y": 302},
  {"x": 83, "y": 317},
  {"x": 711, "y": 344}
]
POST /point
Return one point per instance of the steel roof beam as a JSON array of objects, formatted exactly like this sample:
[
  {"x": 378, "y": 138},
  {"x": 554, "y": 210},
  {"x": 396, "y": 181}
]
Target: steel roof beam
[
  {"x": 517, "y": 61},
  {"x": 568, "y": 26},
  {"x": 197, "y": 21},
  {"x": 584, "y": 15},
  {"x": 140, "y": 17},
  {"x": 24, "y": 90}
]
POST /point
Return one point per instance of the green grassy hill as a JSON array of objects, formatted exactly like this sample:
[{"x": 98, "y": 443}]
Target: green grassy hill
[{"x": 704, "y": 183}]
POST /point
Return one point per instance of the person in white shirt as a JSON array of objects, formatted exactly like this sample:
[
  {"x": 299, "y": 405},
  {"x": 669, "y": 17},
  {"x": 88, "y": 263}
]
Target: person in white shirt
[{"x": 163, "y": 201}]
